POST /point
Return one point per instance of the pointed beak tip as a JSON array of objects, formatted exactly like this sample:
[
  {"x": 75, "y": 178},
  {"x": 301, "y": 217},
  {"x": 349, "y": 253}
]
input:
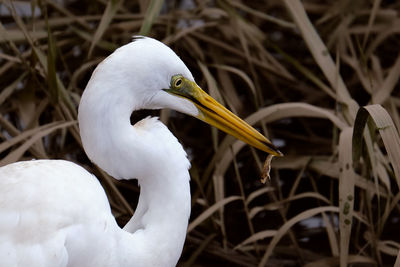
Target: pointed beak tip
[
  {"x": 213, "y": 113},
  {"x": 271, "y": 149},
  {"x": 275, "y": 152}
]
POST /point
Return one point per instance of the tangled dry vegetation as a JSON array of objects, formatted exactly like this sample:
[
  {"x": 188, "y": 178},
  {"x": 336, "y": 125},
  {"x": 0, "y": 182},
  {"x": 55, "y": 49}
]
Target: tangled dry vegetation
[{"x": 320, "y": 78}]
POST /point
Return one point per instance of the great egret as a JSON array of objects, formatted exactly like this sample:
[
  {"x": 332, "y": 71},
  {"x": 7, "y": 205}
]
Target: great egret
[{"x": 55, "y": 213}]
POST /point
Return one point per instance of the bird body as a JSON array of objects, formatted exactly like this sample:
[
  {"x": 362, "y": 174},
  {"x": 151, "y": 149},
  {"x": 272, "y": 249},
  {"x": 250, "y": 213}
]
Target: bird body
[
  {"x": 55, "y": 213},
  {"x": 50, "y": 212}
]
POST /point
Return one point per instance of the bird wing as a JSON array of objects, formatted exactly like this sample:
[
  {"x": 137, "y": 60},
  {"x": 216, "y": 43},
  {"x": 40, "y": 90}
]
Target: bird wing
[{"x": 51, "y": 211}]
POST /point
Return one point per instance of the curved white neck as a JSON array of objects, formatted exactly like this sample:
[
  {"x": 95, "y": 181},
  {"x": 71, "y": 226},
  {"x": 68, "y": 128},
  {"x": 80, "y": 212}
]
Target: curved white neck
[
  {"x": 148, "y": 152},
  {"x": 160, "y": 222}
]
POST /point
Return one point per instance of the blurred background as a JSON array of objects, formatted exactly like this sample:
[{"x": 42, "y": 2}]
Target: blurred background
[{"x": 319, "y": 78}]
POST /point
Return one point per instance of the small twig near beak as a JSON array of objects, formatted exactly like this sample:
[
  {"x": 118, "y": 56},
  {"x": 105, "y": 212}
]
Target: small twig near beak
[{"x": 266, "y": 169}]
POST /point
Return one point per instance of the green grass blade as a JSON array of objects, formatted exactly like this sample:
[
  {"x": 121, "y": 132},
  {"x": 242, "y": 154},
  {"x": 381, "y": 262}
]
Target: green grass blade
[{"x": 151, "y": 14}]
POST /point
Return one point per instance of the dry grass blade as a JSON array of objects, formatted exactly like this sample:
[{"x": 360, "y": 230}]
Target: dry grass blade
[
  {"x": 68, "y": 14},
  {"x": 346, "y": 193},
  {"x": 10, "y": 89},
  {"x": 397, "y": 262},
  {"x": 18, "y": 36},
  {"x": 387, "y": 130},
  {"x": 324, "y": 166},
  {"x": 231, "y": 96},
  {"x": 16, "y": 154},
  {"x": 389, "y": 84},
  {"x": 215, "y": 93},
  {"x": 278, "y": 204},
  {"x": 185, "y": 32},
  {"x": 257, "y": 236},
  {"x": 115, "y": 191},
  {"x": 208, "y": 212},
  {"x": 241, "y": 74},
  {"x": 262, "y": 15},
  {"x": 44, "y": 61},
  {"x": 51, "y": 66},
  {"x": 13, "y": 131},
  {"x": 211, "y": 83},
  {"x": 273, "y": 113},
  {"x": 320, "y": 53},
  {"x": 285, "y": 228},
  {"x": 330, "y": 231},
  {"x": 258, "y": 193},
  {"x": 226, "y": 47},
  {"x": 219, "y": 195},
  {"x": 111, "y": 9},
  {"x": 353, "y": 259},
  {"x": 389, "y": 247},
  {"x": 394, "y": 204},
  {"x": 84, "y": 68},
  {"x": 371, "y": 20},
  {"x": 315, "y": 195},
  {"x": 24, "y": 135},
  {"x": 198, "y": 251},
  {"x": 306, "y": 72},
  {"x": 288, "y": 110},
  {"x": 88, "y": 37},
  {"x": 243, "y": 195}
]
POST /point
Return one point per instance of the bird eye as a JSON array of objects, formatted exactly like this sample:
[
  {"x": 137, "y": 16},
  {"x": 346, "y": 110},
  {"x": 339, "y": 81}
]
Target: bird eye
[{"x": 178, "y": 82}]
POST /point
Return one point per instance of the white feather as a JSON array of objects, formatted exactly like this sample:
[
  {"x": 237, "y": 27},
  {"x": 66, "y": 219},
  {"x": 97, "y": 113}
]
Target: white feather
[{"x": 55, "y": 213}]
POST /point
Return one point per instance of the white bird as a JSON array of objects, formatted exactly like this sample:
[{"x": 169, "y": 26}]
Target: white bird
[{"x": 55, "y": 213}]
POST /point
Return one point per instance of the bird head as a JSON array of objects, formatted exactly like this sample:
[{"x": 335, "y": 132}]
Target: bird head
[
  {"x": 213, "y": 113},
  {"x": 147, "y": 74},
  {"x": 184, "y": 95}
]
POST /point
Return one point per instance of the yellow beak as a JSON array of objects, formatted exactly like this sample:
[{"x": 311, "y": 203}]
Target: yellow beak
[{"x": 212, "y": 112}]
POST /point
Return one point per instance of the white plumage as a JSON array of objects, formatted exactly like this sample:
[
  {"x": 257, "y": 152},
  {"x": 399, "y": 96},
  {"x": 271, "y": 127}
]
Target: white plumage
[{"x": 55, "y": 213}]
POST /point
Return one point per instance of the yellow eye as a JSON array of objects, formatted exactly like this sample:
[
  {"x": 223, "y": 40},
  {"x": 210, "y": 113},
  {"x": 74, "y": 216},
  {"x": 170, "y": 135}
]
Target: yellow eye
[{"x": 178, "y": 83}]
